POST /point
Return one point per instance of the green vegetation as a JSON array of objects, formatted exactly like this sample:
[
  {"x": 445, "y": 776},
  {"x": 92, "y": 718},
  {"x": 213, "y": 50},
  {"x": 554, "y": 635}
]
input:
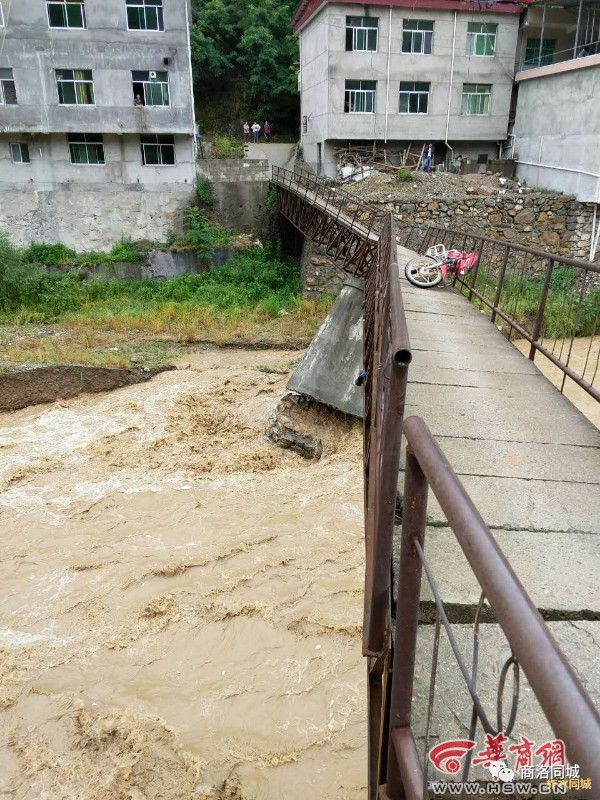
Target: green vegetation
[
  {"x": 200, "y": 234},
  {"x": 565, "y": 312},
  {"x": 205, "y": 193},
  {"x": 254, "y": 297},
  {"x": 245, "y": 63},
  {"x": 58, "y": 255},
  {"x": 404, "y": 175},
  {"x": 271, "y": 198},
  {"x": 227, "y": 147}
]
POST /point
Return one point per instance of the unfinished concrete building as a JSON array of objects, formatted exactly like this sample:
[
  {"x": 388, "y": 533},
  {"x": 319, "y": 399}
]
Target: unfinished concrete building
[
  {"x": 556, "y": 136},
  {"x": 96, "y": 119},
  {"x": 437, "y": 71}
]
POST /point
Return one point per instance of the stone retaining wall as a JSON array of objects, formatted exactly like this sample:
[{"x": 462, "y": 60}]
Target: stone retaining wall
[
  {"x": 547, "y": 221},
  {"x": 319, "y": 273}
]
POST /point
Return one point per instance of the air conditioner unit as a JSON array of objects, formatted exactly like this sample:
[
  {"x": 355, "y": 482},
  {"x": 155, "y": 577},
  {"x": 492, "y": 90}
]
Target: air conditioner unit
[{"x": 152, "y": 76}]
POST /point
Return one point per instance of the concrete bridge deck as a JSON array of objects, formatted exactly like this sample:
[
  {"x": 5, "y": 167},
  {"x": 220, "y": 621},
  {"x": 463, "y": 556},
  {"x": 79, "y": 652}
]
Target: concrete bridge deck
[
  {"x": 529, "y": 459},
  {"x": 531, "y": 463}
]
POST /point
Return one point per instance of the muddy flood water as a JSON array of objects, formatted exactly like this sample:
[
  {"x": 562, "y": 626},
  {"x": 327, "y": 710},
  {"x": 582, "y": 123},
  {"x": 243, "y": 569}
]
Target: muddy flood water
[{"x": 181, "y": 599}]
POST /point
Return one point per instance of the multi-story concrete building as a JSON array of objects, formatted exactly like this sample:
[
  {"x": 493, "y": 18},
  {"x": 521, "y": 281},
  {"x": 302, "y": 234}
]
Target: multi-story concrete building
[
  {"x": 404, "y": 71},
  {"x": 556, "y": 136},
  {"x": 96, "y": 119}
]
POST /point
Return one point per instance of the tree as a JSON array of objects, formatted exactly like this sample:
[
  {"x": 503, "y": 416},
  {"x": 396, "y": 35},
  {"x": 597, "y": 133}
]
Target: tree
[{"x": 245, "y": 61}]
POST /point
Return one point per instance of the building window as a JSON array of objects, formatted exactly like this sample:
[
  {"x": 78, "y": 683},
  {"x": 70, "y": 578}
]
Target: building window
[
  {"x": 150, "y": 88},
  {"x": 360, "y": 97},
  {"x": 86, "y": 148},
  {"x": 481, "y": 39},
  {"x": 66, "y": 13},
  {"x": 414, "y": 97},
  {"x": 361, "y": 33},
  {"x": 8, "y": 94},
  {"x": 476, "y": 99},
  {"x": 75, "y": 87},
  {"x": 536, "y": 58},
  {"x": 145, "y": 15},
  {"x": 19, "y": 152},
  {"x": 1, "y": 16},
  {"x": 158, "y": 150},
  {"x": 417, "y": 36}
]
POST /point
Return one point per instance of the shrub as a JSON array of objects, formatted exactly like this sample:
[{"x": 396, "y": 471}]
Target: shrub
[
  {"x": 198, "y": 232},
  {"x": 50, "y": 255},
  {"x": 124, "y": 251},
  {"x": 205, "y": 193},
  {"x": 228, "y": 147},
  {"x": 404, "y": 175},
  {"x": 271, "y": 198}
]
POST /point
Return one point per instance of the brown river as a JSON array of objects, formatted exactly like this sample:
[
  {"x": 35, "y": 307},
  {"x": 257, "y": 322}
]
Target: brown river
[{"x": 181, "y": 600}]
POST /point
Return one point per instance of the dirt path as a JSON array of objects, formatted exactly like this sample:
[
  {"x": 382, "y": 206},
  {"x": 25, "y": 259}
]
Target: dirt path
[{"x": 182, "y": 600}]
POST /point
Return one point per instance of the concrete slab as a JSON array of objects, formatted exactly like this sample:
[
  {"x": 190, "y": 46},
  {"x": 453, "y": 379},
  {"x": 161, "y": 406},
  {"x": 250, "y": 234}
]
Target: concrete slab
[
  {"x": 561, "y": 463},
  {"x": 331, "y": 365},
  {"x": 580, "y": 641},
  {"x": 529, "y": 505},
  {"x": 480, "y": 413},
  {"x": 277, "y": 154},
  {"x": 421, "y": 372},
  {"x": 557, "y": 585}
]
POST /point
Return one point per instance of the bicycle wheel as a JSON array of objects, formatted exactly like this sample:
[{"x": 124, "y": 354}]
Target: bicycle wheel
[{"x": 423, "y": 272}]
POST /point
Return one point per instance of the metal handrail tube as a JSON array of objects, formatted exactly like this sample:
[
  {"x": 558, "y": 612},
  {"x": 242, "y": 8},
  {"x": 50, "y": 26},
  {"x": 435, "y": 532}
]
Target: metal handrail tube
[
  {"x": 568, "y": 709},
  {"x": 542, "y": 254}
]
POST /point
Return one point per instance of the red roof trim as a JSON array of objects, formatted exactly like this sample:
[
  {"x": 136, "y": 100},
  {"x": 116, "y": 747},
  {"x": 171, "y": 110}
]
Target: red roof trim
[{"x": 306, "y": 8}]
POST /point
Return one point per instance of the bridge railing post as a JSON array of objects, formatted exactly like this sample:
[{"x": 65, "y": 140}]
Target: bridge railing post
[{"x": 539, "y": 317}]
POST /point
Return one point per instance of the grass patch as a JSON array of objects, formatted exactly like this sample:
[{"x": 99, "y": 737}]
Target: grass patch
[
  {"x": 565, "y": 313},
  {"x": 254, "y": 299}
]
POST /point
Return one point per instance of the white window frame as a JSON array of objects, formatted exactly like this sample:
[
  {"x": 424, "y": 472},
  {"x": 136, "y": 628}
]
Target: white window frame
[
  {"x": 153, "y": 82},
  {"x": 413, "y": 92},
  {"x": 66, "y": 3},
  {"x": 350, "y": 96},
  {"x": 143, "y": 5},
  {"x": 93, "y": 139},
  {"x": 419, "y": 32},
  {"x": 160, "y": 145},
  {"x": 487, "y": 36},
  {"x": 467, "y": 95},
  {"x": 1, "y": 15},
  {"x": 20, "y": 145},
  {"x": 366, "y": 28},
  {"x": 2, "y": 90},
  {"x": 76, "y": 81}
]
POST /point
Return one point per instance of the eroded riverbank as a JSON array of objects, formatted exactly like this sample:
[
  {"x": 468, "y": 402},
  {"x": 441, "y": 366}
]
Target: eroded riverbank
[{"x": 182, "y": 599}]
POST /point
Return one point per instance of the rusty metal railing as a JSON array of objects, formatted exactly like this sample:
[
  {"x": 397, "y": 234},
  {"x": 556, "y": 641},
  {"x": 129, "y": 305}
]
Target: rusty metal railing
[
  {"x": 345, "y": 207},
  {"x": 547, "y": 299},
  {"x": 386, "y": 359},
  {"x": 561, "y": 696}
]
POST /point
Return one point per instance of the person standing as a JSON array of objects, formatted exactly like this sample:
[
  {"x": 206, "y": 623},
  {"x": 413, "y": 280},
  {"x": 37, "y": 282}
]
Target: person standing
[
  {"x": 428, "y": 157},
  {"x": 246, "y": 128},
  {"x": 255, "y": 132},
  {"x": 267, "y": 131}
]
